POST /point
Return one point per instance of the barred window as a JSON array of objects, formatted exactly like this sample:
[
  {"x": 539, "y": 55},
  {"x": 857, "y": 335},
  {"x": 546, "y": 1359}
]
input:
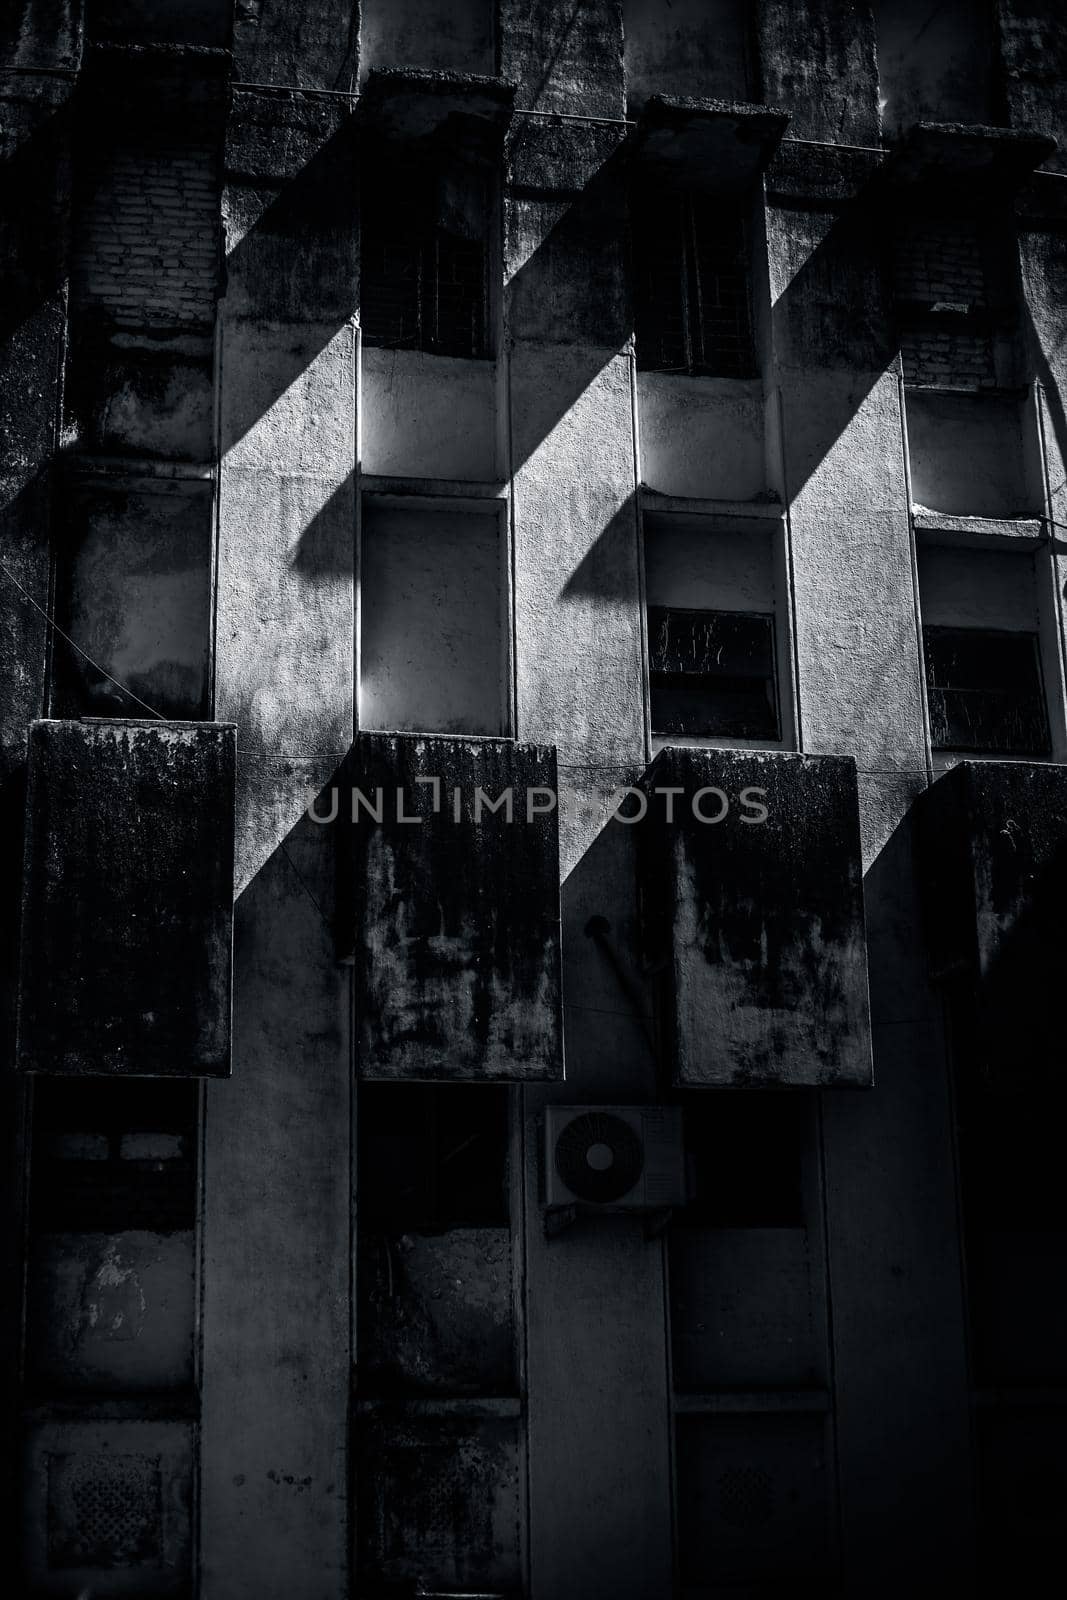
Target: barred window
[
  {"x": 424, "y": 259},
  {"x": 691, "y": 283},
  {"x": 985, "y": 691},
  {"x": 712, "y": 673}
]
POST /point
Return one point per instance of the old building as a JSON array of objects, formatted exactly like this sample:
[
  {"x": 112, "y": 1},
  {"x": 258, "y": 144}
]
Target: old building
[{"x": 535, "y": 796}]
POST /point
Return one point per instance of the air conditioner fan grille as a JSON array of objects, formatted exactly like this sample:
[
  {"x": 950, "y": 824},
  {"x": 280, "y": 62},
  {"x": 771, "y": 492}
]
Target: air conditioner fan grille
[{"x": 599, "y": 1157}]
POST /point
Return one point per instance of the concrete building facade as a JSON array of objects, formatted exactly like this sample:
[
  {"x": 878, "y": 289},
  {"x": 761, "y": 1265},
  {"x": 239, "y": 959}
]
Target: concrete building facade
[{"x": 650, "y": 411}]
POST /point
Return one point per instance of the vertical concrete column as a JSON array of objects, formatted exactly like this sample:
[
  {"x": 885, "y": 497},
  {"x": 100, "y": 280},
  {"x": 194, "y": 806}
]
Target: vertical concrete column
[
  {"x": 276, "y": 1251},
  {"x": 40, "y": 50},
  {"x": 895, "y": 1285},
  {"x": 1043, "y": 258},
  {"x": 597, "y": 1413}
]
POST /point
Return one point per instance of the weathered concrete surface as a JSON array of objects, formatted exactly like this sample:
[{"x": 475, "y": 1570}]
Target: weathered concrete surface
[
  {"x": 455, "y": 924},
  {"x": 136, "y": 595},
  {"x": 441, "y": 1498},
  {"x": 702, "y": 437},
  {"x": 933, "y": 65},
  {"x": 975, "y": 455},
  {"x": 749, "y": 1309},
  {"x": 1034, "y": 55},
  {"x": 277, "y": 1154},
  {"x": 425, "y": 33},
  {"x": 995, "y": 874},
  {"x": 436, "y": 1313},
  {"x": 313, "y": 47},
  {"x": 276, "y": 1246},
  {"x": 687, "y": 47},
  {"x": 143, "y": 1468},
  {"x": 127, "y": 899},
  {"x": 577, "y": 612},
  {"x": 818, "y": 61},
  {"x": 286, "y": 543},
  {"x": 34, "y": 161},
  {"x": 113, "y": 1313},
  {"x": 760, "y": 922},
  {"x": 436, "y": 414},
  {"x": 753, "y": 1494}
]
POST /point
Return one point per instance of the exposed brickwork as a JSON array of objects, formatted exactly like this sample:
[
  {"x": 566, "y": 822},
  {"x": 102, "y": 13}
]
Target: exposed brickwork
[
  {"x": 942, "y": 294},
  {"x": 147, "y": 235},
  {"x": 941, "y": 261}
]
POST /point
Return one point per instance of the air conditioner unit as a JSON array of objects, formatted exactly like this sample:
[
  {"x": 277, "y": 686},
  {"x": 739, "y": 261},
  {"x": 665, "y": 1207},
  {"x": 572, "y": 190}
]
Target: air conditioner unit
[{"x": 614, "y": 1158}]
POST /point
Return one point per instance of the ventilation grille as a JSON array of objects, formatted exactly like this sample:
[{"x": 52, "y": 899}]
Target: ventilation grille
[
  {"x": 746, "y": 1497},
  {"x": 104, "y": 1510}
]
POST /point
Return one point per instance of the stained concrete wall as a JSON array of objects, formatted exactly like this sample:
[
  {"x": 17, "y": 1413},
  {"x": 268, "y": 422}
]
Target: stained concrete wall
[{"x": 274, "y": 1497}]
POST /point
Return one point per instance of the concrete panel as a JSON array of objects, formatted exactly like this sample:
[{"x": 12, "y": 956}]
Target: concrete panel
[
  {"x": 138, "y": 577},
  {"x": 971, "y": 455},
  {"x": 440, "y": 1504},
  {"x": 933, "y": 66},
  {"x": 753, "y": 1504},
  {"x": 688, "y": 48},
  {"x": 429, "y": 416},
  {"x": 276, "y": 1358},
  {"x": 436, "y": 1313},
  {"x": 759, "y": 920},
  {"x": 564, "y": 59},
  {"x": 994, "y": 840},
  {"x": 131, "y": 395},
  {"x": 126, "y": 951},
  {"x": 108, "y": 1508},
  {"x": 286, "y": 543},
  {"x": 436, "y": 34},
  {"x": 580, "y": 677},
  {"x": 455, "y": 923},
  {"x": 275, "y": 42},
  {"x": 818, "y": 61},
  {"x": 433, "y": 612},
  {"x": 701, "y": 437},
  {"x": 748, "y": 1310},
  {"x": 858, "y": 657},
  {"x": 1034, "y": 56},
  {"x": 112, "y": 1312}
]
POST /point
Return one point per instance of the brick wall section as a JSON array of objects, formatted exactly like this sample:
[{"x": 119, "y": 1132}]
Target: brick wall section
[
  {"x": 940, "y": 264},
  {"x": 146, "y": 235}
]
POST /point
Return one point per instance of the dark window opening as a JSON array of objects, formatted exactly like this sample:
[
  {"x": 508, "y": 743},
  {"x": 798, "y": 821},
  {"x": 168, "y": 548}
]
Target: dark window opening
[
  {"x": 432, "y": 1157},
  {"x": 985, "y": 691},
  {"x": 744, "y": 1159},
  {"x": 424, "y": 259},
  {"x": 712, "y": 673},
  {"x": 110, "y": 1156},
  {"x": 691, "y": 263}
]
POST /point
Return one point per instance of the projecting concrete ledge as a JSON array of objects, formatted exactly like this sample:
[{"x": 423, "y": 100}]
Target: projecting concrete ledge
[
  {"x": 979, "y": 533},
  {"x": 416, "y": 105},
  {"x": 949, "y": 154},
  {"x": 689, "y": 139}
]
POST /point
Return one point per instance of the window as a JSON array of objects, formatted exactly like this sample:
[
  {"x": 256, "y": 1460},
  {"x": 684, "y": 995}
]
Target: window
[
  {"x": 712, "y": 673},
  {"x": 985, "y": 691},
  {"x": 691, "y": 278},
  {"x": 112, "y": 1155},
  {"x": 744, "y": 1157},
  {"x": 424, "y": 258},
  {"x": 432, "y": 1157}
]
